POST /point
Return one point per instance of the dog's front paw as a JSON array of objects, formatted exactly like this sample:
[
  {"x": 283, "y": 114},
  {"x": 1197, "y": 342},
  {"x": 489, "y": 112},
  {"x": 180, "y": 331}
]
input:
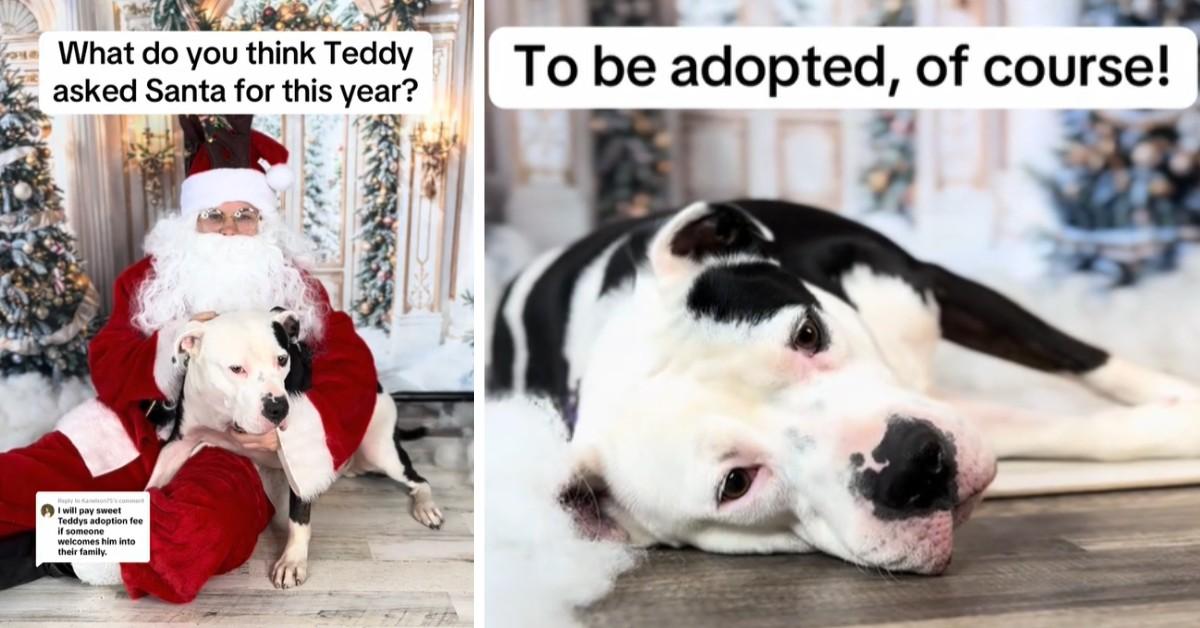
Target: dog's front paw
[
  {"x": 424, "y": 510},
  {"x": 428, "y": 514},
  {"x": 289, "y": 572}
]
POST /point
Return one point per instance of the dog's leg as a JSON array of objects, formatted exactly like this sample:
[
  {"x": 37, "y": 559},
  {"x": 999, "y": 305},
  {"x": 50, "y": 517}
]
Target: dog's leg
[
  {"x": 291, "y": 570},
  {"x": 381, "y": 452},
  {"x": 903, "y": 323},
  {"x": 979, "y": 318},
  {"x": 1153, "y": 430},
  {"x": 424, "y": 509}
]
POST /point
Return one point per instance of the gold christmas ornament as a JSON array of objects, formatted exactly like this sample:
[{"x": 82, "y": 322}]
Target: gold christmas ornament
[
  {"x": 877, "y": 180},
  {"x": 46, "y": 127}
]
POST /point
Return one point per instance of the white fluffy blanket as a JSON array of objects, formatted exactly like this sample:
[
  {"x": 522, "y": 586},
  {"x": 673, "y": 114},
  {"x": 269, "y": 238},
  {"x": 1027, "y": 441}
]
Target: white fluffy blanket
[
  {"x": 30, "y": 406},
  {"x": 537, "y": 568}
]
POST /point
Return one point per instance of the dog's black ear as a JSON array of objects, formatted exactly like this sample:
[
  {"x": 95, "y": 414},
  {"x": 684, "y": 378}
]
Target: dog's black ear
[
  {"x": 704, "y": 230},
  {"x": 299, "y": 377},
  {"x": 587, "y": 499},
  {"x": 289, "y": 321}
]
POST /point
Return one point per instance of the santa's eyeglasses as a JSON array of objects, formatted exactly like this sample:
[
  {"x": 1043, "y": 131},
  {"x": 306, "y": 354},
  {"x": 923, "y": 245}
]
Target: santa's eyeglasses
[{"x": 244, "y": 218}]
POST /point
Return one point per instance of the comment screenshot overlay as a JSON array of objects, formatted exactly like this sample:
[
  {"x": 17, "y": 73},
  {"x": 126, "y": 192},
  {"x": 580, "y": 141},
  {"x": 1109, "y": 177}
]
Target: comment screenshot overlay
[{"x": 98, "y": 527}]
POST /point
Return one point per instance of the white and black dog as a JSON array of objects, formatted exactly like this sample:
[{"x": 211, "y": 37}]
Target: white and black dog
[
  {"x": 755, "y": 376},
  {"x": 273, "y": 366}
]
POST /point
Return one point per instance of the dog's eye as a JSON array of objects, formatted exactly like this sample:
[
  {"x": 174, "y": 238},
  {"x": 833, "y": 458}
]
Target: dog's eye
[
  {"x": 736, "y": 484},
  {"x": 809, "y": 337},
  {"x": 282, "y": 360},
  {"x": 237, "y": 370}
]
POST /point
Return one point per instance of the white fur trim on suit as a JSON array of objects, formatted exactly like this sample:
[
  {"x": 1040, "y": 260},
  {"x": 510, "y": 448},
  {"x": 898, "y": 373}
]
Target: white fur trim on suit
[
  {"x": 303, "y": 451},
  {"x": 213, "y": 187},
  {"x": 98, "y": 574},
  {"x": 99, "y": 437}
]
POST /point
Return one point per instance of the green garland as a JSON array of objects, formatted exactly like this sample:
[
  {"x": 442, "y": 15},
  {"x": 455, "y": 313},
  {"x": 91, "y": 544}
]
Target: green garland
[
  {"x": 179, "y": 15},
  {"x": 292, "y": 15},
  {"x": 383, "y": 136},
  {"x": 404, "y": 13}
]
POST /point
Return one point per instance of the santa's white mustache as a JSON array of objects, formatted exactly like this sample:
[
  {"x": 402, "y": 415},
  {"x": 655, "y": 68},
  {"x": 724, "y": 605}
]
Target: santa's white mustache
[{"x": 196, "y": 272}]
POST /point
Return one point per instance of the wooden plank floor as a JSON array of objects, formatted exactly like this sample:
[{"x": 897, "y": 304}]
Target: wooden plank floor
[
  {"x": 370, "y": 564},
  {"x": 1119, "y": 559}
]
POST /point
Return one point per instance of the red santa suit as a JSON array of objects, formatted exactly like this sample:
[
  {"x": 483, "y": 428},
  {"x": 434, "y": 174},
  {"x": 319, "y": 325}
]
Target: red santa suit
[{"x": 206, "y": 520}]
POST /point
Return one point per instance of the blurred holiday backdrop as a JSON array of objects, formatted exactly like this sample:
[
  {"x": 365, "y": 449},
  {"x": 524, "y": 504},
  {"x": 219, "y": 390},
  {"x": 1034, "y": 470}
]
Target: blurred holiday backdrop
[
  {"x": 386, "y": 200},
  {"x": 1087, "y": 217}
]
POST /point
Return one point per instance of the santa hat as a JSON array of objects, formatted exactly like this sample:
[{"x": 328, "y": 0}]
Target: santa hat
[{"x": 228, "y": 161}]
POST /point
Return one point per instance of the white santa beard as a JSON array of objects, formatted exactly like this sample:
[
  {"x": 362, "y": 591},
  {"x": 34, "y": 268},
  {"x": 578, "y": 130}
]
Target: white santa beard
[{"x": 201, "y": 272}]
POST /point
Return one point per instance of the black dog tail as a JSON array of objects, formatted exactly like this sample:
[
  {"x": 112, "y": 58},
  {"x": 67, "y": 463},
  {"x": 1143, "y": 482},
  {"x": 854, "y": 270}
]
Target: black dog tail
[{"x": 413, "y": 434}]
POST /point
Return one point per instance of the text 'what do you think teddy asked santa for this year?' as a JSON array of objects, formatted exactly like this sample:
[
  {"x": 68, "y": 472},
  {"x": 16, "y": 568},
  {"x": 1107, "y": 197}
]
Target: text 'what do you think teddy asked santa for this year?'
[{"x": 383, "y": 72}]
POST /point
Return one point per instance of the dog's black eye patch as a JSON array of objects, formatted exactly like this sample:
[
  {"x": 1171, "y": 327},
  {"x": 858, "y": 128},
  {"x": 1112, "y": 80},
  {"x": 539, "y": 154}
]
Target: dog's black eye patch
[{"x": 746, "y": 293}]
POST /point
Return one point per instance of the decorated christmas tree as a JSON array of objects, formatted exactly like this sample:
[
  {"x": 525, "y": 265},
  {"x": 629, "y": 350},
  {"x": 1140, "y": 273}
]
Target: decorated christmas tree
[
  {"x": 1127, "y": 192},
  {"x": 47, "y": 303},
  {"x": 631, "y": 149},
  {"x": 889, "y": 177}
]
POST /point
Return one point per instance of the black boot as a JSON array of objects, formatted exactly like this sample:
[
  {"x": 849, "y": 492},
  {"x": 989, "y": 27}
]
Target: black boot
[{"x": 17, "y": 556}]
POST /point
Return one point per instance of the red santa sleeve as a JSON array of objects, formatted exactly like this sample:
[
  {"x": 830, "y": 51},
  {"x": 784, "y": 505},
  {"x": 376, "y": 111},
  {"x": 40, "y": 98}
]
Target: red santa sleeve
[
  {"x": 326, "y": 425},
  {"x": 128, "y": 366}
]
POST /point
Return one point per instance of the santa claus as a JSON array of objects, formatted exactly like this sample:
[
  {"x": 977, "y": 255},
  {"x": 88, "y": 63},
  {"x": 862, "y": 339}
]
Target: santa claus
[{"x": 227, "y": 249}]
